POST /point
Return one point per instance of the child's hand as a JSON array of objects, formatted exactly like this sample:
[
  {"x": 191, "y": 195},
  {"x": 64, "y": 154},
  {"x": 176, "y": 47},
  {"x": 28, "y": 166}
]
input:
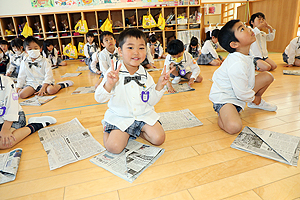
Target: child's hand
[
  {"x": 8, "y": 73},
  {"x": 171, "y": 89},
  {"x": 98, "y": 72},
  {"x": 191, "y": 81},
  {"x": 163, "y": 79},
  {"x": 287, "y": 65},
  {"x": 112, "y": 78},
  {"x": 41, "y": 92},
  {"x": 7, "y": 137}
]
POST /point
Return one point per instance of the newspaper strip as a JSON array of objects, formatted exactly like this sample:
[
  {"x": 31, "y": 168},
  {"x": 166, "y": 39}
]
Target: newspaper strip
[
  {"x": 277, "y": 146},
  {"x": 131, "y": 162},
  {"x": 67, "y": 143},
  {"x": 183, "y": 87},
  {"x": 178, "y": 120},
  {"x": 84, "y": 90},
  {"x": 291, "y": 72},
  {"x": 154, "y": 69},
  {"x": 70, "y": 75},
  {"x": 9, "y": 163},
  {"x": 37, "y": 100},
  {"x": 82, "y": 68}
]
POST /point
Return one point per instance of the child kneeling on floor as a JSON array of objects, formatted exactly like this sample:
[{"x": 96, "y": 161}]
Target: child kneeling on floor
[
  {"x": 234, "y": 82},
  {"x": 12, "y": 117},
  {"x": 132, "y": 95},
  {"x": 35, "y": 75}
]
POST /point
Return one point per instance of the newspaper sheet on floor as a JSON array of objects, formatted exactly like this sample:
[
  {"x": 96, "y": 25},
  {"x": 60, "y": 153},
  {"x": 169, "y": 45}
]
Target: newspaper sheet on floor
[
  {"x": 67, "y": 143},
  {"x": 182, "y": 87},
  {"x": 37, "y": 100},
  {"x": 9, "y": 163},
  {"x": 277, "y": 146},
  {"x": 70, "y": 75},
  {"x": 178, "y": 120},
  {"x": 82, "y": 68},
  {"x": 84, "y": 90},
  {"x": 154, "y": 69},
  {"x": 291, "y": 72},
  {"x": 131, "y": 162}
]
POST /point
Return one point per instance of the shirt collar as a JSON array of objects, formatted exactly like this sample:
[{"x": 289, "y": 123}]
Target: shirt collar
[{"x": 141, "y": 71}]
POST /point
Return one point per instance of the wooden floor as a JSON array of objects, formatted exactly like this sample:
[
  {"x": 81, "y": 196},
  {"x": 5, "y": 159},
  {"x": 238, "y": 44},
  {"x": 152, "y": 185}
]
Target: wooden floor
[{"x": 198, "y": 163}]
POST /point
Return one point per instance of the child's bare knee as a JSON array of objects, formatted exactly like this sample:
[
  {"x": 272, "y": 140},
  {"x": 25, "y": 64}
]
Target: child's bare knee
[
  {"x": 233, "y": 127},
  {"x": 23, "y": 95},
  {"x": 158, "y": 139},
  {"x": 114, "y": 147},
  {"x": 199, "y": 79}
]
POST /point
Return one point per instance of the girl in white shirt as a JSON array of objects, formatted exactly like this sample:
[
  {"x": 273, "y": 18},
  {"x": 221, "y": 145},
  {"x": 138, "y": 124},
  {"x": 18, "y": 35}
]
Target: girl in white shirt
[
  {"x": 291, "y": 54},
  {"x": 194, "y": 48},
  {"x": 209, "y": 55},
  {"x": 52, "y": 54}
]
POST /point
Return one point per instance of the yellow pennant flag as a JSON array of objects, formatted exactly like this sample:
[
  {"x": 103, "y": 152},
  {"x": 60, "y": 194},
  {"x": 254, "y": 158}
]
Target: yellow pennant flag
[{"x": 106, "y": 26}]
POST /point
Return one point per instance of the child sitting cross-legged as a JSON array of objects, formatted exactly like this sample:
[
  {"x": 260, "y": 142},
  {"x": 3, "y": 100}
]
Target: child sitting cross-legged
[
  {"x": 183, "y": 64},
  {"x": 35, "y": 75},
  {"x": 235, "y": 82},
  {"x": 132, "y": 95}
]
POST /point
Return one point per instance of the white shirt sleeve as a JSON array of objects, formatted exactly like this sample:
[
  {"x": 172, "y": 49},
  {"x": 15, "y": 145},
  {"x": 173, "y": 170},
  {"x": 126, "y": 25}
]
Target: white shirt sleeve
[
  {"x": 85, "y": 50},
  {"x": 149, "y": 56},
  {"x": 54, "y": 59},
  {"x": 48, "y": 72},
  {"x": 12, "y": 106},
  {"x": 291, "y": 53},
  {"x": 239, "y": 80},
  {"x": 161, "y": 50},
  {"x": 94, "y": 62},
  {"x": 104, "y": 64},
  {"x": 21, "y": 76},
  {"x": 193, "y": 65},
  {"x": 271, "y": 36}
]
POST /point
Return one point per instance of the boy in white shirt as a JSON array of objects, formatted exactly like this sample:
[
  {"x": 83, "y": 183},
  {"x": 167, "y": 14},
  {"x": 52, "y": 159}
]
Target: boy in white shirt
[
  {"x": 183, "y": 64},
  {"x": 259, "y": 48},
  {"x": 12, "y": 117},
  {"x": 35, "y": 75},
  {"x": 89, "y": 48},
  {"x": 234, "y": 82},
  {"x": 15, "y": 61},
  {"x": 291, "y": 54},
  {"x": 107, "y": 56},
  {"x": 132, "y": 95}
]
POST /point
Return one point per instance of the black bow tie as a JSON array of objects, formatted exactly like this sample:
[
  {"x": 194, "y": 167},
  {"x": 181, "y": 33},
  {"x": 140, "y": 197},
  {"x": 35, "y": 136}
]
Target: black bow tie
[
  {"x": 127, "y": 79},
  {"x": 114, "y": 55},
  {"x": 17, "y": 58},
  {"x": 30, "y": 64},
  {"x": 179, "y": 64}
]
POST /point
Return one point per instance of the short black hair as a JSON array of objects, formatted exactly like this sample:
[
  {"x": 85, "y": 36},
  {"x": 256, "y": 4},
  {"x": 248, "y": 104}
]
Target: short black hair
[
  {"x": 226, "y": 36},
  {"x": 46, "y": 44},
  {"x": 17, "y": 42},
  {"x": 131, "y": 32},
  {"x": 3, "y": 42},
  {"x": 153, "y": 38},
  {"x": 194, "y": 41},
  {"x": 258, "y": 14},
  {"x": 214, "y": 33},
  {"x": 89, "y": 34},
  {"x": 175, "y": 47},
  {"x": 105, "y": 33},
  {"x": 28, "y": 40}
]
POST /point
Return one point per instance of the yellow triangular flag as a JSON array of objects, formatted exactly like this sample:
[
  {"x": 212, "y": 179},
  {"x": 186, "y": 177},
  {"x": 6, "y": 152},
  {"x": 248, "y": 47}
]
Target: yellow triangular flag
[
  {"x": 106, "y": 26},
  {"x": 27, "y": 31}
]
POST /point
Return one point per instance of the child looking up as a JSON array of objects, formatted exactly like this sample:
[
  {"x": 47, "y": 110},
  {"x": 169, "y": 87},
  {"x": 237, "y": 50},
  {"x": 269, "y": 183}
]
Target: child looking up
[
  {"x": 194, "y": 48},
  {"x": 182, "y": 63},
  {"x": 12, "y": 117},
  {"x": 291, "y": 54},
  {"x": 52, "y": 54},
  {"x": 209, "y": 55},
  {"x": 259, "y": 48},
  {"x": 132, "y": 95},
  {"x": 15, "y": 61},
  {"x": 89, "y": 48},
  {"x": 35, "y": 76},
  {"x": 234, "y": 82}
]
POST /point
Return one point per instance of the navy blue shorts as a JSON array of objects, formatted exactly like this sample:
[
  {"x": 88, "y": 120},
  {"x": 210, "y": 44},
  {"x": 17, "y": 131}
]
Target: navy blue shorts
[{"x": 217, "y": 107}]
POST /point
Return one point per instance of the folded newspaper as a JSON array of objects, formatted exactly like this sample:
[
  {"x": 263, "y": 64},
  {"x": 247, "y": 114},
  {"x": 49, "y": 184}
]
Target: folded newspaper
[
  {"x": 182, "y": 87},
  {"x": 131, "y": 162},
  {"x": 277, "y": 146},
  {"x": 70, "y": 75},
  {"x": 9, "y": 163},
  {"x": 82, "y": 68},
  {"x": 178, "y": 120},
  {"x": 37, "y": 100},
  {"x": 67, "y": 143},
  {"x": 84, "y": 90},
  {"x": 291, "y": 72}
]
